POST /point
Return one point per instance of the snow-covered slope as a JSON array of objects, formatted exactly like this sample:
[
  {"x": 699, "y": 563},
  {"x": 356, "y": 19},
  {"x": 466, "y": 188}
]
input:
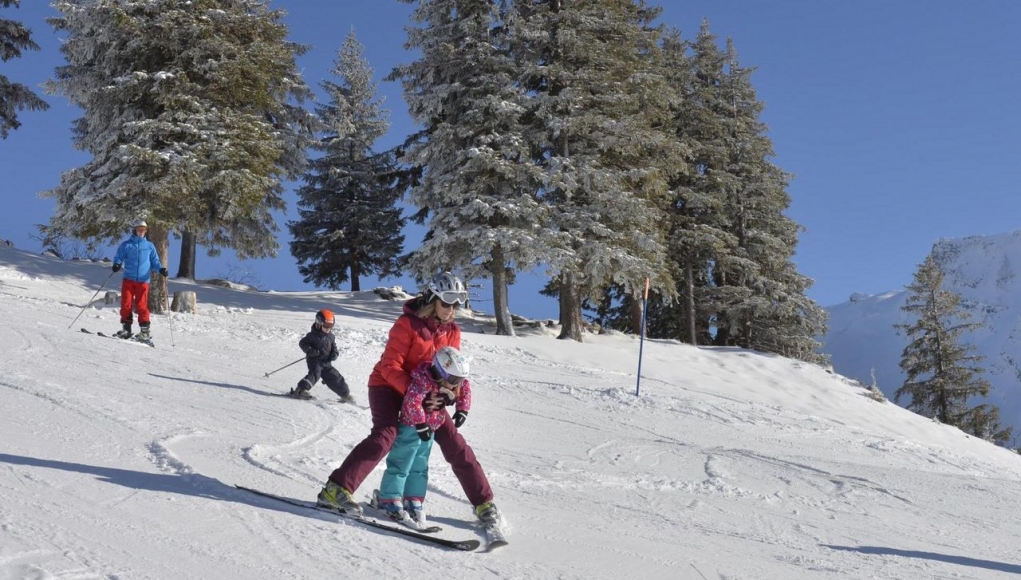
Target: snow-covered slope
[
  {"x": 118, "y": 461},
  {"x": 985, "y": 271}
]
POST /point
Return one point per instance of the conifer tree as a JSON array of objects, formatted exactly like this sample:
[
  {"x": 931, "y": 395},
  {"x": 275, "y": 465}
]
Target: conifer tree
[
  {"x": 732, "y": 244},
  {"x": 772, "y": 314},
  {"x": 698, "y": 235},
  {"x": 598, "y": 100},
  {"x": 187, "y": 116},
  {"x": 350, "y": 221},
  {"x": 943, "y": 373},
  {"x": 14, "y": 97},
  {"x": 478, "y": 185}
]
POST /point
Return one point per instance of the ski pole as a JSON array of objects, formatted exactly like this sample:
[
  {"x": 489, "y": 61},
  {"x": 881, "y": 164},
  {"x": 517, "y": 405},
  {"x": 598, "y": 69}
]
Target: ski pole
[
  {"x": 166, "y": 303},
  {"x": 90, "y": 300},
  {"x": 284, "y": 367}
]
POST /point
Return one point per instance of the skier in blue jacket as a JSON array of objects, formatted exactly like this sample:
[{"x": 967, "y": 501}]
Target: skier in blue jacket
[{"x": 138, "y": 257}]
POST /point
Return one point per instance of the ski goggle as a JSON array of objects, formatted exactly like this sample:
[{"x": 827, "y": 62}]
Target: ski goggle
[
  {"x": 451, "y": 380},
  {"x": 327, "y": 326},
  {"x": 452, "y": 298}
]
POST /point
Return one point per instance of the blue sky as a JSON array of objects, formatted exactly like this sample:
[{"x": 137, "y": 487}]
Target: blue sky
[{"x": 899, "y": 121}]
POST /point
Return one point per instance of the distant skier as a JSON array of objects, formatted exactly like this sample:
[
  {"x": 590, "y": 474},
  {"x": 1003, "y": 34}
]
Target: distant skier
[
  {"x": 320, "y": 348},
  {"x": 138, "y": 257},
  {"x": 402, "y": 491}
]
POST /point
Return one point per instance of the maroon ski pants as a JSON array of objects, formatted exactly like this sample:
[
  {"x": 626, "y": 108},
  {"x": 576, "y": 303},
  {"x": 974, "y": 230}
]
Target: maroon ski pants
[{"x": 385, "y": 404}]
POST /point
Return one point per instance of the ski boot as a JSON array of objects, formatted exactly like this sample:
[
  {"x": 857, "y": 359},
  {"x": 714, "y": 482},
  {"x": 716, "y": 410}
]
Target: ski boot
[
  {"x": 125, "y": 331},
  {"x": 488, "y": 513},
  {"x": 337, "y": 498},
  {"x": 302, "y": 391}
]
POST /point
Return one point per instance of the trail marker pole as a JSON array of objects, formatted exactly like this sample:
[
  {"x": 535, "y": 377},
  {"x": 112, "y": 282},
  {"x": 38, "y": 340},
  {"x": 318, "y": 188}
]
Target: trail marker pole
[{"x": 641, "y": 340}]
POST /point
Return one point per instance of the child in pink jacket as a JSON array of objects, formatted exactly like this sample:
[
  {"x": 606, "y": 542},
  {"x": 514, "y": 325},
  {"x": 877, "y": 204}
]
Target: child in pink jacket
[{"x": 402, "y": 491}]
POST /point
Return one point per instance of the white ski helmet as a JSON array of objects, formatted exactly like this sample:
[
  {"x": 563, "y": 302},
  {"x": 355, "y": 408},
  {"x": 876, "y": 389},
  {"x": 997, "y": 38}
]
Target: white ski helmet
[
  {"x": 448, "y": 288},
  {"x": 451, "y": 365},
  {"x": 139, "y": 223}
]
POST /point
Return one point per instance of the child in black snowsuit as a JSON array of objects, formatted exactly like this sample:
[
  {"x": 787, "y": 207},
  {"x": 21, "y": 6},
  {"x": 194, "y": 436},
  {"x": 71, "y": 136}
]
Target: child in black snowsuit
[{"x": 320, "y": 348}]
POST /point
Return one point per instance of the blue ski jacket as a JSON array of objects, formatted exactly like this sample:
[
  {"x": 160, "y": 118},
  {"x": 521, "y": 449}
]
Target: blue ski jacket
[{"x": 139, "y": 258}]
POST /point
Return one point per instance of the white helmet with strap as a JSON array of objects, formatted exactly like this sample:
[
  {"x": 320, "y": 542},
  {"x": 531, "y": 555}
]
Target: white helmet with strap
[
  {"x": 448, "y": 288},
  {"x": 451, "y": 365}
]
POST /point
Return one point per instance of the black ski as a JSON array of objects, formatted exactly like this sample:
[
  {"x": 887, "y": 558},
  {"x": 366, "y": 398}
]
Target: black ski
[
  {"x": 290, "y": 395},
  {"x": 139, "y": 341},
  {"x": 464, "y": 545}
]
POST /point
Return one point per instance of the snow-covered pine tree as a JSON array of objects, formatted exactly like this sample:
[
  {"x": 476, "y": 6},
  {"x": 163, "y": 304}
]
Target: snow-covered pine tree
[
  {"x": 478, "y": 185},
  {"x": 593, "y": 121},
  {"x": 350, "y": 220},
  {"x": 942, "y": 371},
  {"x": 773, "y": 314},
  {"x": 730, "y": 241},
  {"x": 14, "y": 97},
  {"x": 696, "y": 230},
  {"x": 701, "y": 240},
  {"x": 186, "y": 116}
]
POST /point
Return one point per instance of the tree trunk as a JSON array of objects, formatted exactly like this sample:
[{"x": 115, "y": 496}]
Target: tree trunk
[
  {"x": 635, "y": 312},
  {"x": 570, "y": 309},
  {"x": 185, "y": 301},
  {"x": 689, "y": 334},
  {"x": 501, "y": 303},
  {"x": 356, "y": 284},
  {"x": 160, "y": 237},
  {"x": 187, "y": 267}
]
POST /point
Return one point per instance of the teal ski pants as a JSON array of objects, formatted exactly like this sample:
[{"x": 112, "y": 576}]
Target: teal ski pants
[{"x": 407, "y": 467}]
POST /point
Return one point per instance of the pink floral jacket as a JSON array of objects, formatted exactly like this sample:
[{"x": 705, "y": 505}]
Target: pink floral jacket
[{"x": 421, "y": 385}]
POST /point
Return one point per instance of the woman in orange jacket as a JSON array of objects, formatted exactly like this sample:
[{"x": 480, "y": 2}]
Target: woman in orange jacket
[{"x": 426, "y": 326}]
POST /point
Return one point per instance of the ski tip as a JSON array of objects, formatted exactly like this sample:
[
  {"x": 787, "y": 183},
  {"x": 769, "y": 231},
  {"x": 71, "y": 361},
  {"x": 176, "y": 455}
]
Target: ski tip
[{"x": 495, "y": 545}]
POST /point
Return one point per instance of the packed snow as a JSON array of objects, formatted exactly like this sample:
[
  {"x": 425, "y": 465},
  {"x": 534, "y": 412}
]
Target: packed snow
[{"x": 119, "y": 461}]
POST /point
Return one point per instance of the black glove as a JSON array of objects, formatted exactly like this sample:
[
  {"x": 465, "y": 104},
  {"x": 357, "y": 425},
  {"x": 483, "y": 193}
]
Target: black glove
[
  {"x": 423, "y": 431},
  {"x": 116, "y": 268},
  {"x": 334, "y": 355},
  {"x": 459, "y": 418},
  {"x": 164, "y": 273},
  {"x": 312, "y": 353},
  {"x": 433, "y": 402}
]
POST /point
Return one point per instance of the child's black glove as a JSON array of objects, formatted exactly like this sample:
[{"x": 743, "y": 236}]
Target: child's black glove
[
  {"x": 423, "y": 431},
  {"x": 334, "y": 355},
  {"x": 312, "y": 353},
  {"x": 459, "y": 418}
]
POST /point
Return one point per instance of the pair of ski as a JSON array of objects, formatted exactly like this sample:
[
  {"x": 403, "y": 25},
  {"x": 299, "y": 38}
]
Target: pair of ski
[
  {"x": 494, "y": 536},
  {"x": 135, "y": 338}
]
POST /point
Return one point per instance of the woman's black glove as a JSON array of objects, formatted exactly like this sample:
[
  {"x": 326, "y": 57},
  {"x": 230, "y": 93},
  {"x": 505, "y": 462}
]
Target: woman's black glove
[
  {"x": 433, "y": 402},
  {"x": 116, "y": 268}
]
